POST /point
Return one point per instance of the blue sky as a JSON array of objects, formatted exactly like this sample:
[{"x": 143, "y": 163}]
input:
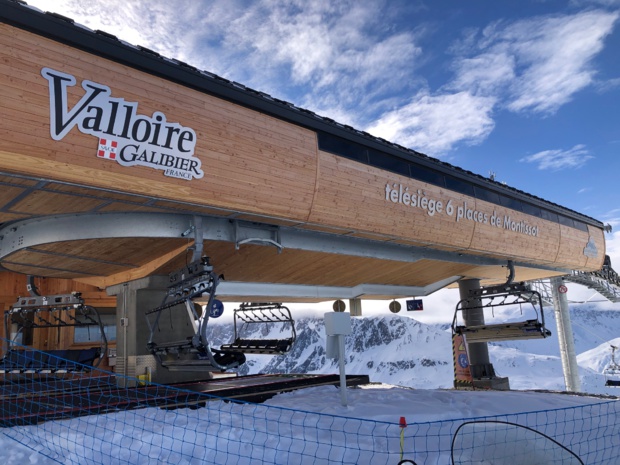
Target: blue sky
[{"x": 529, "y": 90}]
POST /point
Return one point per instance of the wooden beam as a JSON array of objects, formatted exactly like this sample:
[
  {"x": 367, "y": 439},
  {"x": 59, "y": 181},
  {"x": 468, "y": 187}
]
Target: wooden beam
[{"x": 124, "y": 276}]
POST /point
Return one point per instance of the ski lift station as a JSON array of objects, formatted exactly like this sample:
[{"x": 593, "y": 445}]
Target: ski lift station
[{"x": 139, "y": 193}]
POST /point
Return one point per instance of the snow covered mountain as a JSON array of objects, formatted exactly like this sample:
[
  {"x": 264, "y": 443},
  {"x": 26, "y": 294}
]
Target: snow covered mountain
[{"x": 400, "y": 350}]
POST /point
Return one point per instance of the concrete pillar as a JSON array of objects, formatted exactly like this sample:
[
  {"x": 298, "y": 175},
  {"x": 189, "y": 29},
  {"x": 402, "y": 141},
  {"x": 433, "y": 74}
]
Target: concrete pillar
[
  {"x": 566, "y": 339},
  {"x": 355, "y": 307},
  {"x": 133, "y": 358},
  {"x": 478, "y": 352}
]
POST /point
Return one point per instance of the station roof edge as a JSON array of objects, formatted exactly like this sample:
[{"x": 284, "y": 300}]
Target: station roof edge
[{"x": 65, "y": 30}]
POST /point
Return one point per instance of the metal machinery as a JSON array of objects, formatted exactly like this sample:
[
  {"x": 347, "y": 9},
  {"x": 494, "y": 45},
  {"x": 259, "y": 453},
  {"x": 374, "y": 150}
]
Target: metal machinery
[
  {"x": 612, "y": 371},
  {"x": 605, "y": 281},
  {"x": 54, "y": 311},
  {"x": 248, "y": 316},
  {"x": 490, "y": 298},
  {"x": 193, "y": 352}
]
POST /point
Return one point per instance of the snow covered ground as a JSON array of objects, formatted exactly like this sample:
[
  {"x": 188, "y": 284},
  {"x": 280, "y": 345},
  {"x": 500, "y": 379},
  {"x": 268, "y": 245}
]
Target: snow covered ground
[
  {"x": 220, "y": 433},
  {"x": 410, "y": 365}
]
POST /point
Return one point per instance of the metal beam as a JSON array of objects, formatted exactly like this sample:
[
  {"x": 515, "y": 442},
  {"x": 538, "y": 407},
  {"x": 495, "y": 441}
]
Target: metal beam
[
  {"x": 36, "y": 231},
  {"x": 243, "y": 289}
]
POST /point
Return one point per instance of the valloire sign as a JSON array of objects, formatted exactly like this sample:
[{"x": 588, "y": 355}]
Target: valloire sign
[{"x": 125, "y": 136}]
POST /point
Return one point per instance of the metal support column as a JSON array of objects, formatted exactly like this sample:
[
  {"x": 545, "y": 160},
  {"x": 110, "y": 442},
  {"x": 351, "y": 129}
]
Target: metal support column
[
  {"x": 478, "y": 352},
  {"x": 355, "y": 307},
  {"x": 565, "y": 336},
  {"x": 132, "y": 355}
]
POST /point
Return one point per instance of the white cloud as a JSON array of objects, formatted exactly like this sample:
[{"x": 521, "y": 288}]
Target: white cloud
[
  {"x": 534, "y": 65},
  {"x": 348, "y": 61},
  {"x": 607, "y": 85},
  {"x": 160, "y": 25},
  {"x": 613, "y": 219},
  {"x": 557, "y": 58},
  {"x": 434, "y": 123},
  {"x": 484, "y": 74},
  {"x": 336, "y": 58},
  {"x": 612, "y": 243},
  {"x": 560, "y": 159},
  {"x": 537, "y": 64},
  {"x": 338, "y": 55},
  {"x": 609, "y": 3}
]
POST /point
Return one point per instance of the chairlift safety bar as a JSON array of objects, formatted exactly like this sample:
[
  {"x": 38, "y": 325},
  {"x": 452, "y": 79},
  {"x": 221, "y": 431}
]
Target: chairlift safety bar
[
  {"x": 249, "y": 314},
  {"x": 499, "y": 296}
]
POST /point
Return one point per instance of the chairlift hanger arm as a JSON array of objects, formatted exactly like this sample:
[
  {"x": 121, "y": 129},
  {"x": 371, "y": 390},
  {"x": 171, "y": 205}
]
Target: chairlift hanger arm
[{"x": 192, "y": 353}]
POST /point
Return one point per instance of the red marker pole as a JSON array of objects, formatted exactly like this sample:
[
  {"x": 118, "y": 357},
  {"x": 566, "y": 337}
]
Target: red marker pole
[{"x": 403, "y": 424}]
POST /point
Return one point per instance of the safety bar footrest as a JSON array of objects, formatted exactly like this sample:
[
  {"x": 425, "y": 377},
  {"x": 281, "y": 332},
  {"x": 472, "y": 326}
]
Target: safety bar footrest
[
  {"x": 260, "y": 346},
  {"x": 507, "y": 331}
]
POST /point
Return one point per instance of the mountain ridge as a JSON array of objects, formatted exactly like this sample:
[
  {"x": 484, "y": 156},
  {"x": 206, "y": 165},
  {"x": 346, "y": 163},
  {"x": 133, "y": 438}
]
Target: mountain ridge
[{"x": 400, "y": 350}]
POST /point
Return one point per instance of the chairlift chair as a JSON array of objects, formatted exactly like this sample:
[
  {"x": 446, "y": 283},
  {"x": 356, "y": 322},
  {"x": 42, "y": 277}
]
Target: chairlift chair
[
  {"x": 612, "y": 371},
  {"x": 251, "y": 316},
  {"x": 54, "y": 311},
  {"x": 193, "y": 352},
  {"x": 493, "y": 297}
]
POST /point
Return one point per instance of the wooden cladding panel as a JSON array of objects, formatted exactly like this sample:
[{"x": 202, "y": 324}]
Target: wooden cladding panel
[
  {"x": 87, "y": 258},
  {"x": 353, "y": 195},
  {"x": 124, "y": 207},
  {"x": 255, "y": 167},
  {"x": 356, "y": 197},
  {"x": 59, "y": 267},
  {"x": 497, "y": 234},
  {"x": 493, "y": 275},
  {"x": 48, "y": 203},
  {"x": 4, "y": 217},
  {"x": 326, "y": 229},
  {"x": 253, "y": 163},
  {"x": 8, "y": 193},
  {"x": 265, "y": 264},
  {"x": 192, "y": 208},
  {"x": 597, "y": 240},
  {"x": 102, "y": 194},
  {"x": 127, "y": 252},
  {"x": 34, "y": 269},
  {"x": 571, "y": 251},
  {"x": 263, "y": 219},
  {"x": 22, "y": 182}
]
